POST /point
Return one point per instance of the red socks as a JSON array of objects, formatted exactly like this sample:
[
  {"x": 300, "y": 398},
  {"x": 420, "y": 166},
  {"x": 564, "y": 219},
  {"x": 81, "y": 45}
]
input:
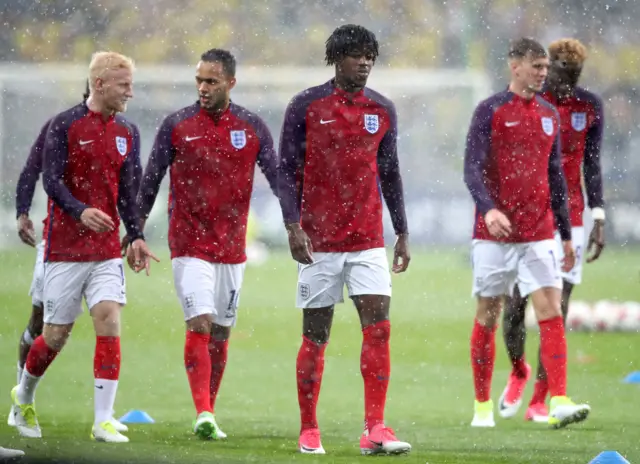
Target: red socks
[
  {"x": 39, "y": 358},
  {"x": 540, "y": 390},
  {"x": 106, "y": 360},
  {"x": 519, "y": 367},
  {"x": 483, "y": 355},
  {"x": 553, "y": 346},
  {"x": 309, "y": 368},
  {"x": 218, "y": 357},
  {"x": 198, "y": 366},
  {"x": 375, "y": 365}
]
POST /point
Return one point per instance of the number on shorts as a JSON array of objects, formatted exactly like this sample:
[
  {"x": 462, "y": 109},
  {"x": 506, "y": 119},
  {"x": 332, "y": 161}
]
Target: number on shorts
[
  {"x": 233, "y": 304},
  {"x": 578, "y": 253},
  {"x": 553, "y": 258}
]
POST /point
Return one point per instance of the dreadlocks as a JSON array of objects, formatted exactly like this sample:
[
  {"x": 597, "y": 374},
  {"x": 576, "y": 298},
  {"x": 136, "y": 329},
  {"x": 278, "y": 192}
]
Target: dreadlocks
[{"x": 347, "y": 39}]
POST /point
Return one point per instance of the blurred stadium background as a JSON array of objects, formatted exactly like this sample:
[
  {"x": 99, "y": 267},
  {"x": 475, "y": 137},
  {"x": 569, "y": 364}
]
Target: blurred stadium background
[{"x": 438, "y": 59}]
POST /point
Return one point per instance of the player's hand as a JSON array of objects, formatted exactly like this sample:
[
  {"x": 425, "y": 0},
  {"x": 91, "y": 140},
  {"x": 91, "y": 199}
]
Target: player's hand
[
  {"x": 139, "y": 256},
  {"x": 96, "y": 220},
  {"x": 124, "y": 245},
  {"x": 498, "y": 224},
  {"x": 596, "y": 241},
  {"x": 25, "y": 230},
  {"x": 569, "y": 259},
  {"x": 401, "y": 255},
  {"x": 299, "y": 244}
]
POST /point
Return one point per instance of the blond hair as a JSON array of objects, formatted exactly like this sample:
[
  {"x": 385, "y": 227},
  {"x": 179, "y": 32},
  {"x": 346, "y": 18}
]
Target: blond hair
[
  {"x": 573, "y": 51},
  {"x": 101, "y": 62}
]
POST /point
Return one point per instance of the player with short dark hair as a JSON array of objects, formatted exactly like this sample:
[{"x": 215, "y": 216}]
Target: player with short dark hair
[
  {"x": 582, "y": 121},
  {"x": 91, "y": 158},
  {"x": 212, "y": 148},
  {"x": 513, "y": 171},
  {"x": 25, "y": 190},
  {"x": 338, "y": 154}
]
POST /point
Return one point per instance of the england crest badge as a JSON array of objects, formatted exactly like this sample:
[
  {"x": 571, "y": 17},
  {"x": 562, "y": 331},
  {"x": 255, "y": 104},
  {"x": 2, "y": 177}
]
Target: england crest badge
[
  {"x": 121, "y": 145},
  {"x": 371, "y": 123},
  {"x": 238, "y": 139},
  {"x": 547, "y": 125},
  {"x": 578, "y": 121}
]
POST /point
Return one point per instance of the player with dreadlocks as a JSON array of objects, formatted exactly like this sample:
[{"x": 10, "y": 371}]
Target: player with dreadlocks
[
  {"x": 582, "y": 121},
  {"x": 338, "y": 150}
]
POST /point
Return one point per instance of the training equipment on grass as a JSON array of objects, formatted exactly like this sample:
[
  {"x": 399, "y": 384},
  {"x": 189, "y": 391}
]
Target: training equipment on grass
[
  {"x": 609, "y": 457},
  {"x": 136, "y": 416}
]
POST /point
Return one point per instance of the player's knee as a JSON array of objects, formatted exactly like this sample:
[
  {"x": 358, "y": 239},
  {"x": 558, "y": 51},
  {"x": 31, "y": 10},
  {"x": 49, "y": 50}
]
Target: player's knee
[
  {"x": 56, "y": 336},
  {"x": 106, "y": 318},
  {"x": 220, "y": 333},
  {"x": 200, "y": 324},
  {"x": 318, "y": 331},
  {"x": 35, "y": 322},
  {"x": 372, "y": 308},
  {"x": 488, "y": 311}
]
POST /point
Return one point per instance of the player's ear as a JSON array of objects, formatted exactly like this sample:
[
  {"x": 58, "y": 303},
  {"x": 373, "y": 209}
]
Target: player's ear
[
  {"x": 99, "y": 85},
  {"x": 232, "y": 83}
]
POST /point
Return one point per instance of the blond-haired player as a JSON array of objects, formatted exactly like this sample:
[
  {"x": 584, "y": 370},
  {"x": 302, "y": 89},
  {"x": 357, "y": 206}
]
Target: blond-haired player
[{"x": 91, "y": 173}]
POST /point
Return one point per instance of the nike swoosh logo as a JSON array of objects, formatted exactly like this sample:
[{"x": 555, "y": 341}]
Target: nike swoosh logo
[
  {"x": 84, "y": 142},
  {"x": 376, "y": 443},
  {"x": 189, "y": 139},
  {"x": 511, "y": 124},
  {"x": 99, "y": 387},
  {"x": 322, "y": 121}
]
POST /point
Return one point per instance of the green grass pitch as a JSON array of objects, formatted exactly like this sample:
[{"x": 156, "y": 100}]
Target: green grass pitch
[{"x": 430, "y": 398}]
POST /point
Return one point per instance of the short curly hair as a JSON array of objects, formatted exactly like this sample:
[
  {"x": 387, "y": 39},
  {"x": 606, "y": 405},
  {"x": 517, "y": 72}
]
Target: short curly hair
[{"x": 571, "y": 50}]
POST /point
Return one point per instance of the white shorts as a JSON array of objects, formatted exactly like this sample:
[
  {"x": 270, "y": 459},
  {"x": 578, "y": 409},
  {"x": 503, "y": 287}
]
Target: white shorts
[
  {"x": 37, "y": 283},
  {"x": 321, "y": 283},
  {"x": 497, "y": 267},
  {"x": 208, "y": 288},
  {"x": 65, "y": 284},
  {"x": 574, "y": 276}
]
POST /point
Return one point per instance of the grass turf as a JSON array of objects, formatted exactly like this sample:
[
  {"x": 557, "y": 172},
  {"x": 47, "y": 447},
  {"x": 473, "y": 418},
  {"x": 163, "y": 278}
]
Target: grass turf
[{"x": 430, "y": 401}]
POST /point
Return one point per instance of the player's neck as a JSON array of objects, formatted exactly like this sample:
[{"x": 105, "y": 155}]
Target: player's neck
[
  {"x": 216, "y": 113},
  {"x": 521, "y": 90},
  {"x": 97, "y": 106},
  {"x": 346, "y": 86}
]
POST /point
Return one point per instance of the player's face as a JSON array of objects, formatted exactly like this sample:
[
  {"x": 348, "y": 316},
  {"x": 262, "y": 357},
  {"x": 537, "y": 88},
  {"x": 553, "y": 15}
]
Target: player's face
[
  {"x": 532, "y": 72},
  {"x": 563, "y": 76},
  {"x": 214, "y": 85},
  {"x": 355, "y": 67},
  {"x": 116, "y": 88}
]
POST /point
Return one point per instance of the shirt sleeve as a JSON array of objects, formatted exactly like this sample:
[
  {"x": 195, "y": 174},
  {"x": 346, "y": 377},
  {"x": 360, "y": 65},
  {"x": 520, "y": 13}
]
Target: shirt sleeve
[
  {"x": 130, "y": 175},
  {"x": 591, "y": 165},
  {"x": 292, "y": 152},
  {"x": 30, "y": 173},
  {"x": 477, "y": 150},
  {"x": 389, "y": 173},
  {"x": 55, "y": 156},
  {"x": 267, "y": 157},
  {"x": 559, "y": 191},
  {"x": 162, "y": 155}
]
